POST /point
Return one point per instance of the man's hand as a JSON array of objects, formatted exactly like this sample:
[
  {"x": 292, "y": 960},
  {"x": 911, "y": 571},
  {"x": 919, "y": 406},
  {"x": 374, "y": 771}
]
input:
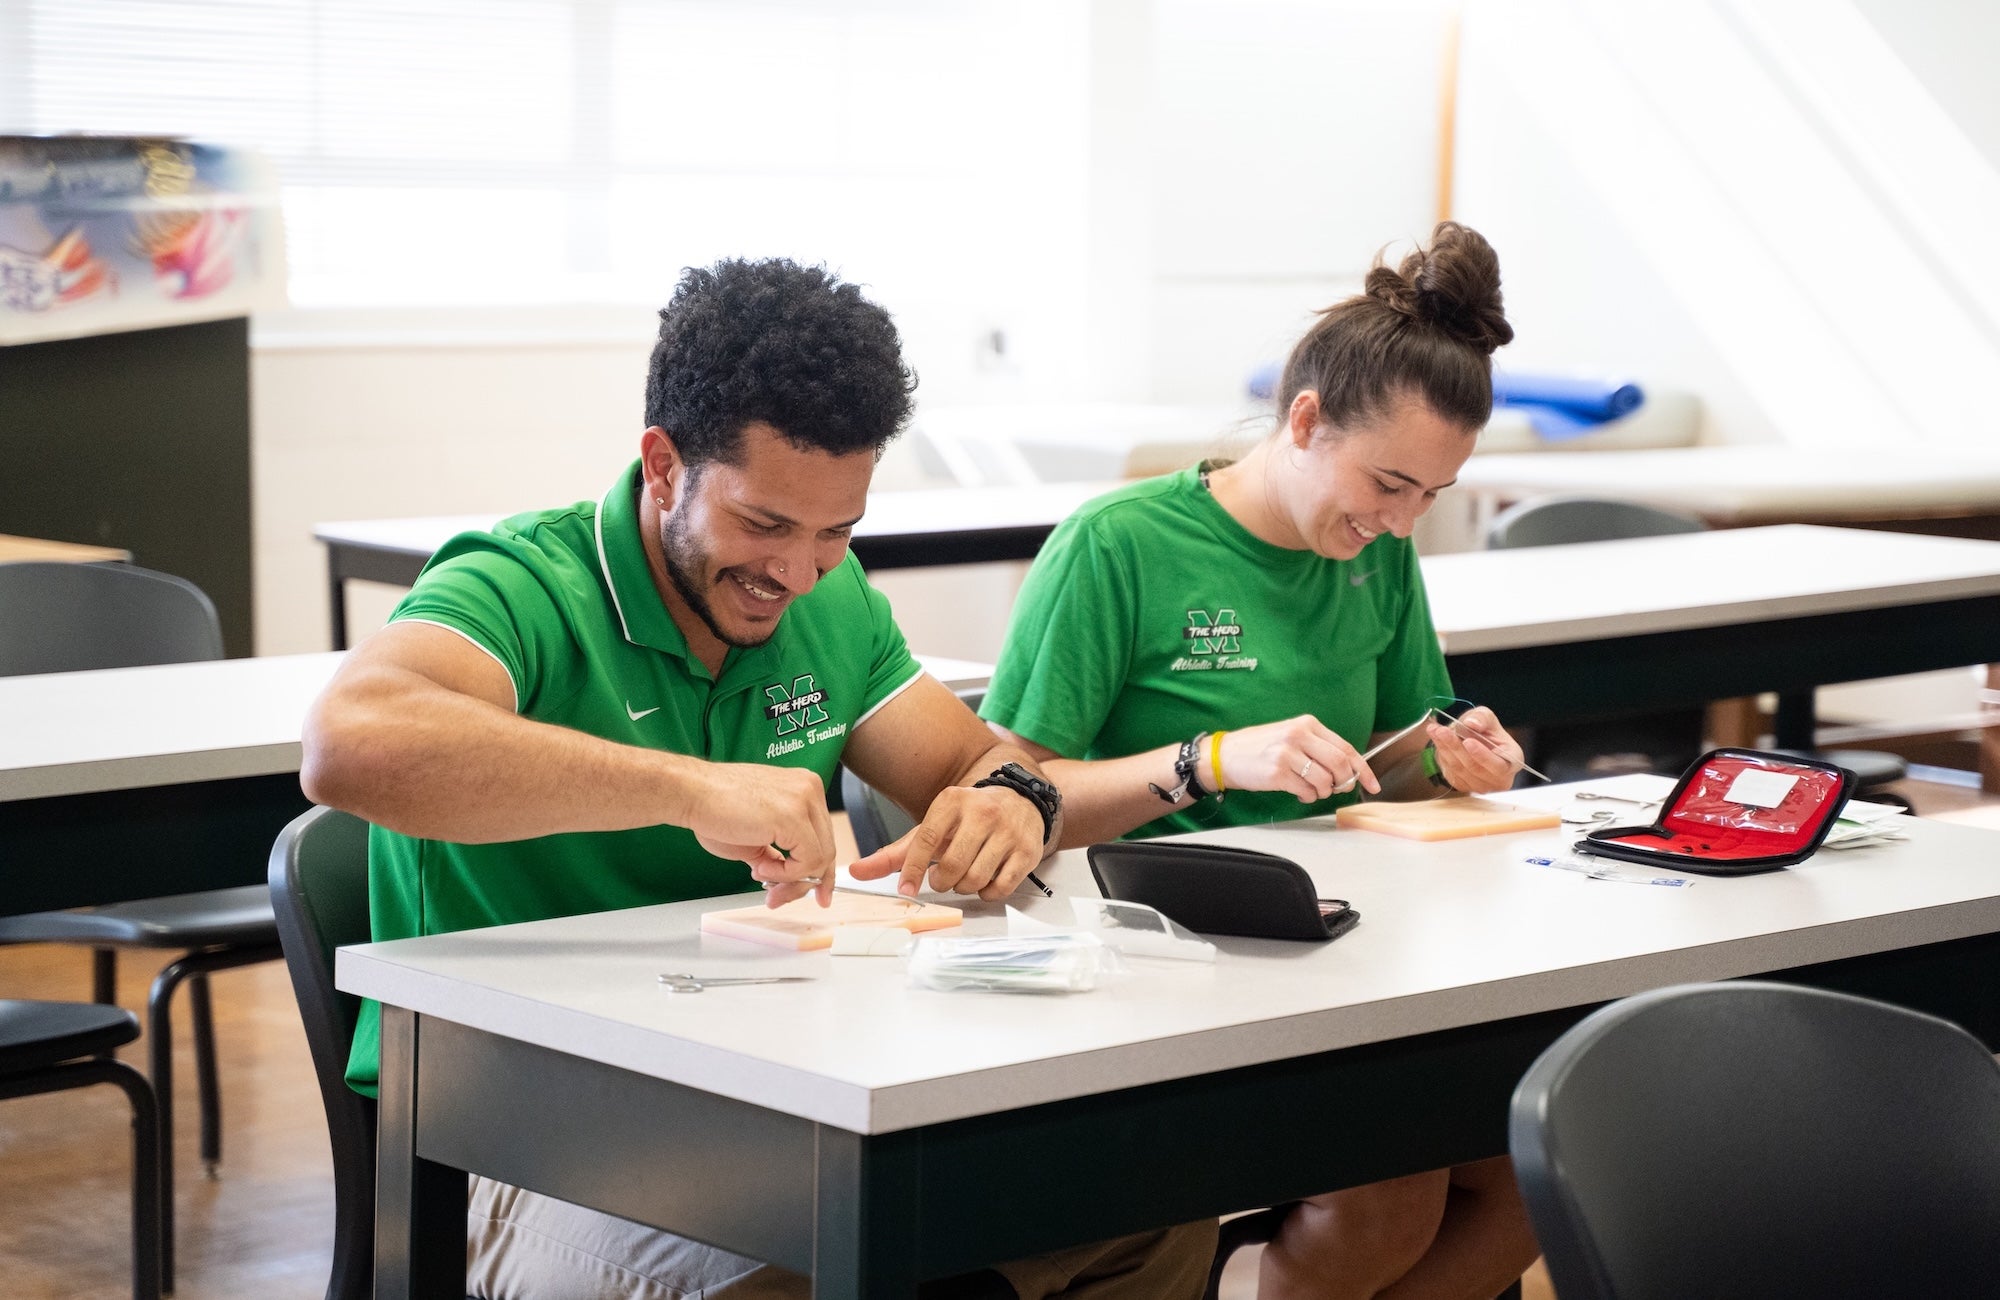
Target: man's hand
[
  {"x": 1477, "y": 755},
  {"x": 982, "y": 841},
  {"x": 1301, "y": 756},
  {"x": 772, "y": 818}
]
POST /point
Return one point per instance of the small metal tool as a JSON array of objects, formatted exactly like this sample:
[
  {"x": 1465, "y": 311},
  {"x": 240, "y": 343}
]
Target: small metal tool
[{"x": 696, "y": 983}]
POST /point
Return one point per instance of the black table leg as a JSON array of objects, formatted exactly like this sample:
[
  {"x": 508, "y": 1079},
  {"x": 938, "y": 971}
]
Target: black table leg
[
  {"x": 419, "y": 1204},
  {"x": 337, "y": 600},
  {"x": 1795, "y": 724},
  {"x": 867, "y": 1225}
]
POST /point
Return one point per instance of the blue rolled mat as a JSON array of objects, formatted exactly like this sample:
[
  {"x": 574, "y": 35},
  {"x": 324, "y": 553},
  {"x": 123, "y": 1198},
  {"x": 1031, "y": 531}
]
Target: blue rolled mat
[
  {"x": 1559, "y": 407},
  {"x": 1262, "y": 383},
  {"x": 1555, "y": 423},
  {"x": 1593, "y": 400}
]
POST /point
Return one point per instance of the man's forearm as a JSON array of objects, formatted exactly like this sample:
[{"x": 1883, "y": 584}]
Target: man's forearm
[
  {"x": 1002, "y": 752},
  {"x": 398, "y": 751}
]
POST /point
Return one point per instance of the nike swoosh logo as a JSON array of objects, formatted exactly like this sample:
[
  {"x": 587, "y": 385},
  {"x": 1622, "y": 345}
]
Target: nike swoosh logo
[
  {"x": 636, "y": 714},
  {"x": 1358, "y": 578}
]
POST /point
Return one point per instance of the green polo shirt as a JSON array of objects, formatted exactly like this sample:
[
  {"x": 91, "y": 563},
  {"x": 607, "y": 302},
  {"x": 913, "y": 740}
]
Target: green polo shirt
[
  {"x": 564, "y": 601},
  {"x": 1151, "y": 615}
]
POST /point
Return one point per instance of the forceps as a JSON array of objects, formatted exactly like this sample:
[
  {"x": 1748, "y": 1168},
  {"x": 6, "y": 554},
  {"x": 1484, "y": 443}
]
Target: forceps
[
  {"x": 1594, "y": 817},
  {"x": 696, "y": 983}
]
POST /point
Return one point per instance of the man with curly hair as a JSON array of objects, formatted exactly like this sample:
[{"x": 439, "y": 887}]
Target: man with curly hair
[{"x": 641, "y": 699}]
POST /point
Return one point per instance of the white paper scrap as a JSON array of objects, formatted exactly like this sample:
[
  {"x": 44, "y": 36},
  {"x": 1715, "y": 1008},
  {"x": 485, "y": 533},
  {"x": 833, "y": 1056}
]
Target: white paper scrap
[{"x": 1758, "y": 789}]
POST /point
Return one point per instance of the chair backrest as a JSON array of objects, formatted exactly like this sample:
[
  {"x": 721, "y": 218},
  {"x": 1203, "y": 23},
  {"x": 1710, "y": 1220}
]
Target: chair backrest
[
  {"x": 1552, "y": 520},
  {"x": 319, "y": 891},
  {"x": 59, "y": 618},
  {"x": 873, "y": 818},
  {"x": 1755, "y": 1139}
]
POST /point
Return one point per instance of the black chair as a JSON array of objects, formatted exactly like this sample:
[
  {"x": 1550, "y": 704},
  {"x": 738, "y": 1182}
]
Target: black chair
[
  {"x": 1256, "y": 1228},
  {"x": 1665, "y": 741},
  {"x": 871, "y": 815},
  {"x": 54, "y": 1046},
  {"x": 874, "y": 820},
  {"x": 319, "y": 893},
  {"x": 1662, "y": 741},
  {"x": 1554, "y": 520},
  {"x": 72, "y": 617},
  {"x": 1757, "y": 1139}
]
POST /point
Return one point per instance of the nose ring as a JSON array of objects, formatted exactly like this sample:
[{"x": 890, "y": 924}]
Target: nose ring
[{"x": 781, "y": 568}]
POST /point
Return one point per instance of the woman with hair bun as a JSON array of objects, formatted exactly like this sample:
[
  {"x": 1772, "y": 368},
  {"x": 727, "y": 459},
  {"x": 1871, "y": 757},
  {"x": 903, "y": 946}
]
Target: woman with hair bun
[{"x": 1217, "y": 648}]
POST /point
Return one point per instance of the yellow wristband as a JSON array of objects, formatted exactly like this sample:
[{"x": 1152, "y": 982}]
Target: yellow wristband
[{"x": 1215, "y": 757}]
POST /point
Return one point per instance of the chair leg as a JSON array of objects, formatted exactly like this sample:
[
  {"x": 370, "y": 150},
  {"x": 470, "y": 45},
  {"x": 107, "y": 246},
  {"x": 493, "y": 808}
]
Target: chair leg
[
  {"x": 160, "y": 1066},
  {"x": 1243, "y": 1230},
  {"x": 151, "y": 1270},
  {"x": 104, "y": 984},
  {"x": 160, "y": 1057},
  {"x": 206, "y": 1082},
  {"x": 151, "y": 1276}
]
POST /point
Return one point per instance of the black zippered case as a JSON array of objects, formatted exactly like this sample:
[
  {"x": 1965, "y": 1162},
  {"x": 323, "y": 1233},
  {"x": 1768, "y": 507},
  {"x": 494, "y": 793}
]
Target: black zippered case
[{"x": 1734, "y": 813}]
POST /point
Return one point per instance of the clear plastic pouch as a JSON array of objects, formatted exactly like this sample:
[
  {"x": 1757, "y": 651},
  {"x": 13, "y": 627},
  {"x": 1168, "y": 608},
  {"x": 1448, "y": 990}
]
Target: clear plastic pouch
[
  {"x": 1138, "y": 930},
  {"x": 1061, "y": 962}
]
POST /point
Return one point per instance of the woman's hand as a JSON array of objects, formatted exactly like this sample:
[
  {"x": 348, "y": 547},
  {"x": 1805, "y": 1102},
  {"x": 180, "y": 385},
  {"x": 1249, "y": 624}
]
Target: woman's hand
[
  {"x": 1477, "y": 755},
  {"x": 1299, "y": 755}
]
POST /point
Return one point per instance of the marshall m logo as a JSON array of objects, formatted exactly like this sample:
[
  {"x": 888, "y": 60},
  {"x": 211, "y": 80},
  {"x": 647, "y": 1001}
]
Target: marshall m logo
[{"x": 797, "y": 708}]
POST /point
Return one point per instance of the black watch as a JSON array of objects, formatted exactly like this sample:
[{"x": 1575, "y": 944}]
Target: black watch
[{"x": 1046, "y": 798}]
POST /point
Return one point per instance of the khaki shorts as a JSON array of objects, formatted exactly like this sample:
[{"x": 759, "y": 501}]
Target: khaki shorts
[{"x": 524, "y": 1246}]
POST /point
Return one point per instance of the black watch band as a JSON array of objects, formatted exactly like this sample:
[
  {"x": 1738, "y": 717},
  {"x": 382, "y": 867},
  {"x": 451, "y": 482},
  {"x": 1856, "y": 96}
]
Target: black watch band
[
  {"x": 1046, "y": 798},
  {"x": 1185, "y": 764}
]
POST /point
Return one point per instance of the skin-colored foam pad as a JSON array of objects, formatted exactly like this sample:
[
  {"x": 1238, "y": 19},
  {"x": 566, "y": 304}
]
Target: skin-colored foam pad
[
  {"x": 803, "y": 924},
  {"x": 1445, "y": 819}
]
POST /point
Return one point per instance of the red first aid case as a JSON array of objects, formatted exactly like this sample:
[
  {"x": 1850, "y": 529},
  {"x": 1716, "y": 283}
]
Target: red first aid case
[{"x": 1735, "y": 812}]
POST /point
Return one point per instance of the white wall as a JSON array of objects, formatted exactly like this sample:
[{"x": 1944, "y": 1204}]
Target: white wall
[
  {"x": 1189, "y": 179},
  {"x": 1759, "y": 200},
  {"x": 1176, "y": 185},
  {"x": 347, "y": 431},
  {"x": 1288, "y": 141}
]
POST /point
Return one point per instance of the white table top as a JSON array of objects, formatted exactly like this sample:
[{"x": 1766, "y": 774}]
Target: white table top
[
  {"x": 1451, "y": 934},
  {"x": 1544, "y": 595},
  {"x": 123, "y": 728},
  {"x": 890, "y": 514},
  {"x": 1758, "y": 483},
  {"x": 70, "y": 733}
]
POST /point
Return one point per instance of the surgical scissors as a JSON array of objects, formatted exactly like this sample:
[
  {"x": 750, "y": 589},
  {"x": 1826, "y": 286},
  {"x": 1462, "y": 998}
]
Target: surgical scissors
[
  {"x": 683, "y": 983},
  {"x": 1573, "y": 816}
]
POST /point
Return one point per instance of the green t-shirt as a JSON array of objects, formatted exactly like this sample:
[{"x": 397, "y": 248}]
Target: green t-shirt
[
  {"x": 1151, "y": 615},
  {"x": 564, "y": 601}
]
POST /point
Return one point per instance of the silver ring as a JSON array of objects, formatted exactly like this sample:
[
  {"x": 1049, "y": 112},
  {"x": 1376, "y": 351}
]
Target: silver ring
[{"x": 1306, "y": 769}]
